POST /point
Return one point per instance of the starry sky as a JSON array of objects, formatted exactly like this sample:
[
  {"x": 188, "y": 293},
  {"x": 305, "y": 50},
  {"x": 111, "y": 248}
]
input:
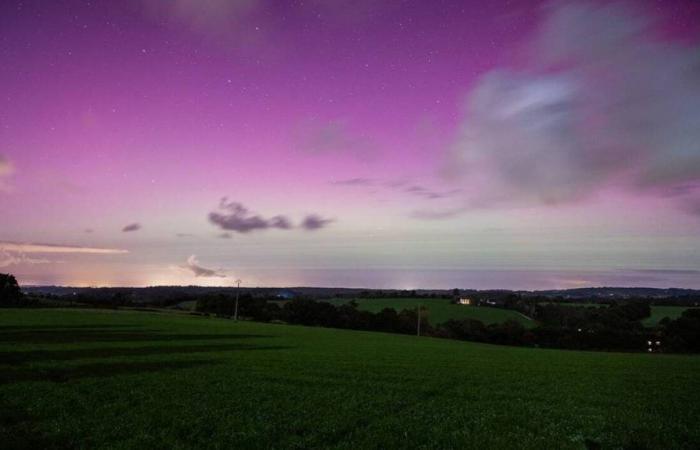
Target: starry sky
[{"x": 384, "y": 144}]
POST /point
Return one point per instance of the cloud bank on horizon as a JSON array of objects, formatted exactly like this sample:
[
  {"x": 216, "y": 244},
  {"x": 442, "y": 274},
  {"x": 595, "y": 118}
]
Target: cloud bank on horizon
[{"x": 601, "y": 103}]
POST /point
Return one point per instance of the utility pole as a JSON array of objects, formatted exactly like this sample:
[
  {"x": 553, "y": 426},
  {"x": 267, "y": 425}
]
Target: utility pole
[
  {"x": 238, "y": 289},
  {"x": 418, "y": 325}
]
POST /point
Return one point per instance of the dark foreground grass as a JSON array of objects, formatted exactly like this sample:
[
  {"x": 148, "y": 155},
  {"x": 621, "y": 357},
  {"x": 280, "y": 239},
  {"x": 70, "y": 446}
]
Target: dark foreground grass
[{"x": 85, "y": 379}]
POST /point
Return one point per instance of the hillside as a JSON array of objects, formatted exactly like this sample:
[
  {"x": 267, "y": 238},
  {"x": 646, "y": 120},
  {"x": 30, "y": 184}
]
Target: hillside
[
  {"x": 441, "y": 310},
  {"x": 104, "y": 379}
]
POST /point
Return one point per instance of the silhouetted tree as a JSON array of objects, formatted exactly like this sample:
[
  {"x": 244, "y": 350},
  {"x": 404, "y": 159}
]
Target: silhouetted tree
[{"x": 10, "y": 293}]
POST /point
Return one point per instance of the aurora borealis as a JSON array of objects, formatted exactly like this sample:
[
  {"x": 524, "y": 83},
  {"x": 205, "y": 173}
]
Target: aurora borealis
[{"x": 406, "y": 144}]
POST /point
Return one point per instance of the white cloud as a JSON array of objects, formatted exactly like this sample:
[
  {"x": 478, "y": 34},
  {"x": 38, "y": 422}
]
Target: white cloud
[
  {"x": 601, "y": 102},
  {"x": 194, "y": 266},
  {"x": 51, "y": 248},
  {"x": 13, "y": 253}
]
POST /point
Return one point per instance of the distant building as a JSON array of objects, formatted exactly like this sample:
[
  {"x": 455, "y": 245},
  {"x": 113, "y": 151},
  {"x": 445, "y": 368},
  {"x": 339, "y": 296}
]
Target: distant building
[
  {"x": 286, "y": 294},
  {"x": 465, "y": 301}
]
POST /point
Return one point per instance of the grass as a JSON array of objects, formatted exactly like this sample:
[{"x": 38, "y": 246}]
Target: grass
[
  {"x": 440, "y": 310},
  {"x": 134, "y": 380},
  {"x": 659, "y": 312}
]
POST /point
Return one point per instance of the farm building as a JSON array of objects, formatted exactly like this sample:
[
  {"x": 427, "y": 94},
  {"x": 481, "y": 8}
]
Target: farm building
[{"x": 465, "y": 301}]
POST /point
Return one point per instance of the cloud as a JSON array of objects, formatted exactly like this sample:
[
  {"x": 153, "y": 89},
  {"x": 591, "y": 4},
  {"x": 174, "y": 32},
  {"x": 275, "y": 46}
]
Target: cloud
[
  {"x": 13, "y": 253},
  {"x": 354, "y": 182},
  {"x": 199, "y": 271},
  {"x": 399, "y": 186},
  {"x": 184, "y": 235},
  {"x": 10, "y": 259},
  {"x": 440, "y": 214},
  {"x": 217, "y": 18},
  {"x": 334, "y": 136},
  {"x": 429, "y": 194},
  {"x": 131, "y": 227},
  {"x": 599, "y": 103},
  {"x": 314, "y": 222},
  {"x": 233, "y": 216},
  {"x": 52, "y": 248},
  {"x": 6, "y": 169}
]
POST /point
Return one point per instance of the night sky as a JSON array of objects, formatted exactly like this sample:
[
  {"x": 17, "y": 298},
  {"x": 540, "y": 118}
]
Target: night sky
[{"x": 404, "y": 144}]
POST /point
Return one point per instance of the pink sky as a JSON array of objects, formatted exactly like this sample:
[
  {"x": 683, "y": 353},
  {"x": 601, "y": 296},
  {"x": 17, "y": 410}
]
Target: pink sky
[{"x": 459, "y": 144}]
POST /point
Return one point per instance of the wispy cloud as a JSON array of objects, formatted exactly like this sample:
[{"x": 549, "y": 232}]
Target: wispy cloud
[
  {"x": 233, "y": 216},
  {"x": 600, "y": 102},
  {"x": 438, "y": 214},
  {"x": 131, "y": 227},
  {"x": 199, "y": 271},
  {"x": 354, "y": 182},
  {"x": 15, "y": 253},
  {"x": 400, "y": 186},
  {"x": 220, "y": 19},
  {"x": 6, "y": 169},
  {"x": 53, "y": 248},
  {"x": 11, "y": 259},
  {"x": 429, "y": 194},
  {"x": 335, "y": 136}
]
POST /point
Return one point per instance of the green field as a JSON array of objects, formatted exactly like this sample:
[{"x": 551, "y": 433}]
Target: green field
[
  {"x": 91, "y": 379},
  {"x": 440, "y": 310},
  {"x": 659, "y": 312}
]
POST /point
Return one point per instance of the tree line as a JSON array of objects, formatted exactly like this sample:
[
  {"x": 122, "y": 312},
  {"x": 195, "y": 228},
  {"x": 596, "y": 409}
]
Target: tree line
[
  {"x": 616, "y": 327},
  {"x": 612, "y": 328}
]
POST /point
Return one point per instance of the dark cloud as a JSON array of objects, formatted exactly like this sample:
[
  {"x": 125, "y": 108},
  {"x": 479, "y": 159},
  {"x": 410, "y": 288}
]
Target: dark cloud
[
  {"x": 314, "y": 222},
  {"x": 184, "y": 235},
  {"x": 131, "y": 227},
  {"x": 599, "y": 103},
  {"x": 233, "y": 216},
  {"x": 89, "y": 230},
  {"x": 199, "y": 271}
]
